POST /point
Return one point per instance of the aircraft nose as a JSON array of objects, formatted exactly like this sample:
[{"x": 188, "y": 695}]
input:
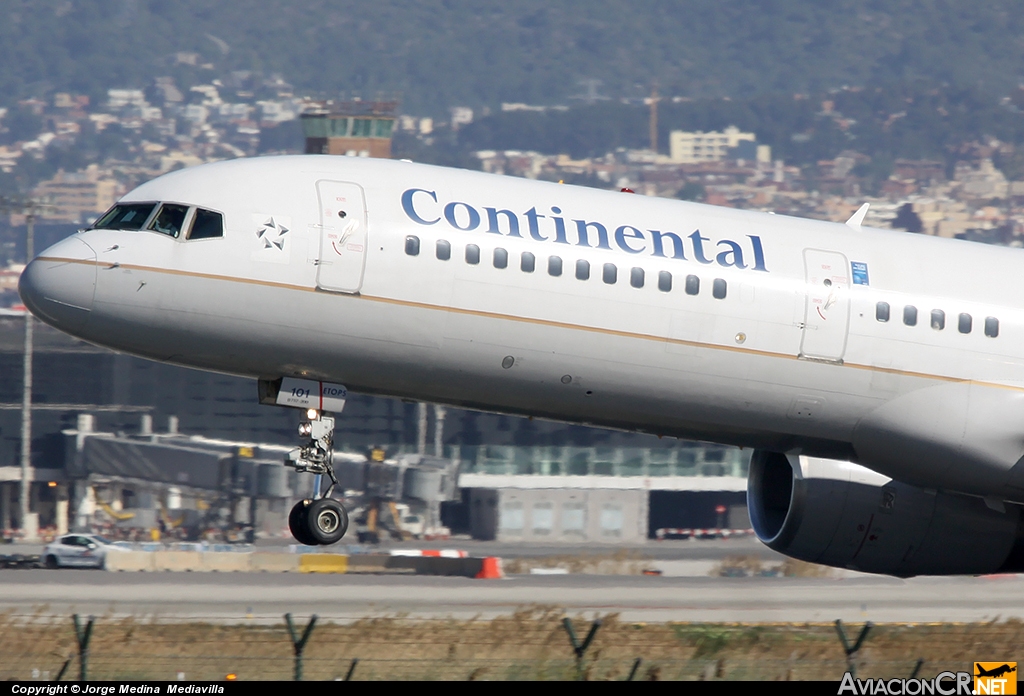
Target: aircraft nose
[{"x": 58, "y": 286}]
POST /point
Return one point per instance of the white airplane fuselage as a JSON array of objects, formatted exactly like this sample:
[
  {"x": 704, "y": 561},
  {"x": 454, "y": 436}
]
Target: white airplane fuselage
[{"x": 782, "y": 342}]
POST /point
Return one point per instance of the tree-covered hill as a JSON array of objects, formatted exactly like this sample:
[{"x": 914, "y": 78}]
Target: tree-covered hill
[{"x": 438, "y": 53}]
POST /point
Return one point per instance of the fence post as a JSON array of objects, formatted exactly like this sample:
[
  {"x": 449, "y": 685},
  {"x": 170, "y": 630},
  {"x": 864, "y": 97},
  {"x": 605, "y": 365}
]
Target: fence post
[
  {"x": 632, "y": 672},
  {"x": 851, "y": 652},
  {"x": 299, "y": 644},
  {"x": 580, "y": 648},
  {"x": 83, "y": 646},
  {"x": 63, "y": 669},
  {"x": 352, "y": 669}
]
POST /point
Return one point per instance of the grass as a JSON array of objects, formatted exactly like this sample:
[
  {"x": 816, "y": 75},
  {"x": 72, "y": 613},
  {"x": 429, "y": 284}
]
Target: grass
[
  {"x": 747, "y": 566},
  {"x": 529, "y": 644},
  {"x": 619, "y": 562}
]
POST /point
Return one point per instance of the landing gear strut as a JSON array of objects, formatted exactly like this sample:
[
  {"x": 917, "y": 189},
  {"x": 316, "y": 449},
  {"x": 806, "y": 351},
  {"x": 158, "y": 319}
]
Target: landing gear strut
[{"x": 320, "y": 519}]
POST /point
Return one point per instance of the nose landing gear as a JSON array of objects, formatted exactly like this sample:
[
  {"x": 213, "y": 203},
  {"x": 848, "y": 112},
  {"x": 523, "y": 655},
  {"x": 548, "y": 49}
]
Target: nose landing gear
[{"x": 321, "y": 519}]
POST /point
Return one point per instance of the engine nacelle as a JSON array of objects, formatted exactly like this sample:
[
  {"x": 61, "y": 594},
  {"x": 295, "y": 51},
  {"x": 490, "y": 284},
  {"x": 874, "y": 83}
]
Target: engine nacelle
[{"x": 840, "y": 514}]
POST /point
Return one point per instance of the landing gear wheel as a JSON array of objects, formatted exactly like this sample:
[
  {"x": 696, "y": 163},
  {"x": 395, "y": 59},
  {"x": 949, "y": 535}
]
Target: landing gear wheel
[
  {"x": 327, "y": 520},
  {"x": 298, "y": 523}
]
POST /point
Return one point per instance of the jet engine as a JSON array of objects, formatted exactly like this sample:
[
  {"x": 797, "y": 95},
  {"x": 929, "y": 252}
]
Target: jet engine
[{"x": 840, "y": 514}]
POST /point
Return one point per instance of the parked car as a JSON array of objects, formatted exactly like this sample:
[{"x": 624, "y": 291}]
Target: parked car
[{"x": 77, "y": 551}]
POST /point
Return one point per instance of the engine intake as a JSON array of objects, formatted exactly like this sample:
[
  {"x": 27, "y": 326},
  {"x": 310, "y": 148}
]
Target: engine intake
[{"x": 840, "y": 514}]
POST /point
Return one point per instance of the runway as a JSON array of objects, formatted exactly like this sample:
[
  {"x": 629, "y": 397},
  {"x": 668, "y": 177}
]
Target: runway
[{"x": 250, "y": 597}]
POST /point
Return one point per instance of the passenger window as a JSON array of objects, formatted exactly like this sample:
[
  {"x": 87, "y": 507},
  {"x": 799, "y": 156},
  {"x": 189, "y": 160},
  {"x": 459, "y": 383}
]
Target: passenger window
[
  {"x": 718, "y": 289},
  {"x": 527, "y": 262},
  {"x": 169, "y": 220},
  {"x": 444, "y": 249},
  {"x": 207, "y": 225},
  {"x": 991, "y": 327},
  {"x": 965, "y": 323},
  {"x": 555, "y": 265},
  {"x": 412, "y": 245},
  {"x": 127, "y": 216},
  {"x": 910, "y": 315},
  {"x": 692, "y": 285},
  {"x": 938, "y": 319},
  {"x": 610, "y": 274},
  {"x": 582, "y": 269},
  {"x": 500, "y": 258},
  {"x": 636, "y": 277},
  {"x": 664, "y": 281},
  {"x": 472, "y": 254},
  {"x": 882, "y": 311}
]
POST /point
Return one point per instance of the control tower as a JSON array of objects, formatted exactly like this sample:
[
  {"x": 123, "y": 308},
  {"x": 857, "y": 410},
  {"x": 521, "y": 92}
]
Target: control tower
[{"x": 355, "y": 128}]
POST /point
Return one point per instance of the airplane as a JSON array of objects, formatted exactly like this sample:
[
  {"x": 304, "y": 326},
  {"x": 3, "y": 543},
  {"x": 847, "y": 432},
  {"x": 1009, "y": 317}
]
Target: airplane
[
  {"x": 878, "y": 376},
  {"x": 995, "y": 671}
]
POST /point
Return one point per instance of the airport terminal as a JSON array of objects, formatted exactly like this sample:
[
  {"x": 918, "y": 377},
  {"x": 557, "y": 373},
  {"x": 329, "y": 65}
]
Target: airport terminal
[{"x": 128, "y": 446}]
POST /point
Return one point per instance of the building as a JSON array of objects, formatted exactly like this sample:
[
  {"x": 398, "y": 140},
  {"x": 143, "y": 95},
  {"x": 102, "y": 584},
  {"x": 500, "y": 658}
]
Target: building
[
  {"x": 354, "y": 128},
  {"x": 693, "y": 147},
  {"x": 78, "y": 196}
]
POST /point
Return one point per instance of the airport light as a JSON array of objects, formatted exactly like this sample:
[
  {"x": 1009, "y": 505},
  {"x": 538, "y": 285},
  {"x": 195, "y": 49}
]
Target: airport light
[{"x": 30, "y": 208}]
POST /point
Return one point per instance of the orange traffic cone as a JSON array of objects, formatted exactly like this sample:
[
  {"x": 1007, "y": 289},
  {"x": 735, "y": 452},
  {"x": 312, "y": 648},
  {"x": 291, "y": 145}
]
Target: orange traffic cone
[{"x": 491, "y": 569}]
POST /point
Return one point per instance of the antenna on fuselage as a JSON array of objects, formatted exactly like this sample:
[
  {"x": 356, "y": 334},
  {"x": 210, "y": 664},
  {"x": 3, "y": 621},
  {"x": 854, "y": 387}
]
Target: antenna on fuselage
[{"x": 857, "y": 218}]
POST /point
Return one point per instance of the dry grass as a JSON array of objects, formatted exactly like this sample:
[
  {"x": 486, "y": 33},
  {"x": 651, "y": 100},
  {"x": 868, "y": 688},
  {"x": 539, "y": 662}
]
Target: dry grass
[
  {"x": 530, "y": 644},
  {"x": 619, "y": 562},
  {"x": 748, "y": 566}
]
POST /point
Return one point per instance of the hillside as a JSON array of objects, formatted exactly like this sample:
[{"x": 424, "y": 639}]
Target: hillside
[{"x": 438, "y": 53}]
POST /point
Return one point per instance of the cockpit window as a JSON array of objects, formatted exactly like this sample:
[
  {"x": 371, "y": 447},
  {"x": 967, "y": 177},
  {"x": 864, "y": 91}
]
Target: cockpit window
[
  {"x": 170, "y": 219},
  {"x": 126, "y": 216},
  {"x": 206, "y": 225}
]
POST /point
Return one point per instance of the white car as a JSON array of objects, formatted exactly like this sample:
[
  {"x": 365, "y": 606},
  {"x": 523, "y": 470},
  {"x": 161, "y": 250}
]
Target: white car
[{"x": 77, "y": 551}]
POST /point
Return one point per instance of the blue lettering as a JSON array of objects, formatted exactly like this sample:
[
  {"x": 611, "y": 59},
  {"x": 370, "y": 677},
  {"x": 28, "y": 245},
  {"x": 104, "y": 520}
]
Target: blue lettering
[
  {"x": 559, "y": 226},
  {"x": 531, "y": 218},
  {"x": 698, "y": 247},
  {"x": 629, "y": 239},
  {"x": 411, "y": 211},
  {"x": 584, "y": 238},
  {"x": 734, "y": 251},
  {"x": 474, "y": 217},
  {"x": 758, "y": 253},
  {"x": 633, "y": 233},
  {"x": 677, "y": 244},
  {"x": 513, "y": 222}
]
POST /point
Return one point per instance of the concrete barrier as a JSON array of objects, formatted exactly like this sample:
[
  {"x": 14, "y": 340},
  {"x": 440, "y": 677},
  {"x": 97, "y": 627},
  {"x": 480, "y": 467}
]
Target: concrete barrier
[
  {"x": 323, "y": 563},
  {"x": 434, "y": 565},
  {"x": 276, "y": 562},
  {"x": 270, "y": 562},
  {"x": 177, "y": 560},
  {"x": 128, "y": 560},
  {"x": 379, "y": 563},
  {"x": 225, "y": 561}
]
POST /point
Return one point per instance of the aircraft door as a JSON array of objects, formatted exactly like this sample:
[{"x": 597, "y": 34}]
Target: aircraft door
[
  {"x": 342, "y": 236},
  {"x": 827, "y": 308}
]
